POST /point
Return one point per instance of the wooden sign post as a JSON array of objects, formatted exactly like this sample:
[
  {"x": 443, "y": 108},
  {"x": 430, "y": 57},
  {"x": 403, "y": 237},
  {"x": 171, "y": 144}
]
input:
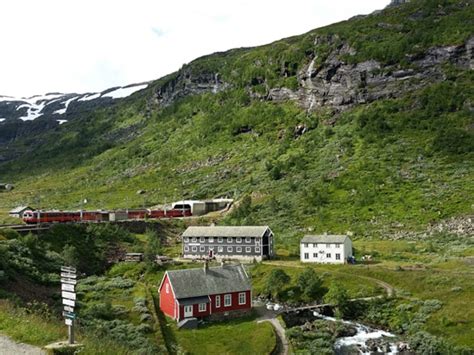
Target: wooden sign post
[{"x": 68, "y": 293}]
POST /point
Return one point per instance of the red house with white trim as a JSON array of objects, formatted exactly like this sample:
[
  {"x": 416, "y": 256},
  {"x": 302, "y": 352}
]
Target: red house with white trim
[{"x": 214, "y": 292}]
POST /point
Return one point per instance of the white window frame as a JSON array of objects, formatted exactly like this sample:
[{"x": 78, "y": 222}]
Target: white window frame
[
  {"x": 306, "y": 256},
  {"x": 238, "y": 249},
  {"x": 238, "y": 240},
  {"x": 328, "y": 245},
  {"x": 167, "y": 288},
  {"x": 315, "y": 255},
  {"x": 230, "y": 249},
  {"x": 229, "y": 239},
  {"x": 248, "y": 239},
  {"x": 338, "y": 256},
  {"x": 186, "y": 239},
  {"x": 337, "y": 245},
  {"x": 201, "y": 308},
  {"x": 257, "y": 249},
  {"x": 228, "y": 300},
  {"x": 257, "y": 242},
  {"x": 218, "y": 301},
  {"x": 194, "y": 249},
  {"x": 328, "y": 255},
  {"x": 305, "y": 245},
  {"x": 201, "y": 248},
  {"x": 211, "y": 248},
  {"x": 194, "y": 239},
  {"x": 202, "y": 240},
  {"x": 220, "y": 240},
  {"x": 211, "y": 239},
  {"x": 248, "y": 249},
  {"x": 186, "y": 248},
  {"x": 244, "y": 298},
  {"x": 220, "y": 249}
]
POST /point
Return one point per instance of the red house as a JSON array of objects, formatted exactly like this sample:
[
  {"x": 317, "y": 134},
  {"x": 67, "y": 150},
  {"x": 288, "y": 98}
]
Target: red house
[{"x": 213, "y": 292}]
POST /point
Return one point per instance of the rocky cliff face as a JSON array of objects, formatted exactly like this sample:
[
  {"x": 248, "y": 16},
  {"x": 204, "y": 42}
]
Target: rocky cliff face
[{"x": 335, "y": 83}]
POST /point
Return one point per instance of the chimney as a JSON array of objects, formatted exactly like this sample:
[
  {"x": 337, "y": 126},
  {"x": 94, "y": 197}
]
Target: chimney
[{"x": 206, "y": 266}]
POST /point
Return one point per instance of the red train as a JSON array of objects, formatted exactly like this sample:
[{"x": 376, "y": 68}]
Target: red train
[{"x": 32, "y": 217}]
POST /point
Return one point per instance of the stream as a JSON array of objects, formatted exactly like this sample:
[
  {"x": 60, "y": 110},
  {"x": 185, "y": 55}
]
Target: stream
[{"x": 367, "y": 339}]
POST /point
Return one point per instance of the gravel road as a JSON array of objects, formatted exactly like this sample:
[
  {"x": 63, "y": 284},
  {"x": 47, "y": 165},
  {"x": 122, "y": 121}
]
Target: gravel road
[{"x": 9, "y": 347}]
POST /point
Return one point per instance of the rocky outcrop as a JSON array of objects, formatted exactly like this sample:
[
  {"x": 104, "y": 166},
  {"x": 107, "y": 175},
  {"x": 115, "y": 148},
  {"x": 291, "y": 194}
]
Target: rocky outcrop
[
  {"x": 185, "y": 83},
  {"x": 339, "y": 85}
]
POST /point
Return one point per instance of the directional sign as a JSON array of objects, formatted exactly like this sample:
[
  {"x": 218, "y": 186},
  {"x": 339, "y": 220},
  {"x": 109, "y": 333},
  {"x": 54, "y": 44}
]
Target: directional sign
[
  {"x": 70, "y": 315},
  {"x": 68, "y": 321},
  {"x": 68, "y": 275},
  {"x": 69, "y": 309},
  {"x": 67, "y": 287},
  {"x": 68, "y": 269},
  {"x": 69, "y": 295},
  {"x": 69, "y": 302},
  {"x": 69, "y": 281}
]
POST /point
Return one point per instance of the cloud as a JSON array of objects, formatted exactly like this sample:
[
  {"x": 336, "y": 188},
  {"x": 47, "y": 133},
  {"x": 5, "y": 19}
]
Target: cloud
[{"x": 158, "y": 31}]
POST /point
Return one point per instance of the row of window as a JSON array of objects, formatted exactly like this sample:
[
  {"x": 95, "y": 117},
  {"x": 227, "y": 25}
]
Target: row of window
[
  {"x": 227, "y": 301},
  {"x": 221, "y": 249},
  {"x": 328, "y": 256},
  {"x": 221, "y": 240},
  {"x": 315, "y": 245}
]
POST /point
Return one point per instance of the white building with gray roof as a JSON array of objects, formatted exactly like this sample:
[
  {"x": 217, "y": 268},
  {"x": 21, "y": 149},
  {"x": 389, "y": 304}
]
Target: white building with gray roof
[
  {"x": 244, "y": 243},
  {"x": 326, "y": 249}
]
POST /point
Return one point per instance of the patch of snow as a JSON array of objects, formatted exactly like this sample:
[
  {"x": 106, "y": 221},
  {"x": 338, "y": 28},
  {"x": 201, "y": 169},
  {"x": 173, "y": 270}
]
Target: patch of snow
[
  {"x": 2, "y": 119},
  {"x": 89, "y": 97},
  {"x": 124, "y": 92},
  {"x": 66, "y": 103},
  {"x": 61, "y": 121}
]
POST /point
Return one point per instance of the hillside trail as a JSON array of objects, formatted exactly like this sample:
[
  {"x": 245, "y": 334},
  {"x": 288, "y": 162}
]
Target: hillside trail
[
  {"x": 389, "y": 289},
  {"x": 9, "y": 347}
]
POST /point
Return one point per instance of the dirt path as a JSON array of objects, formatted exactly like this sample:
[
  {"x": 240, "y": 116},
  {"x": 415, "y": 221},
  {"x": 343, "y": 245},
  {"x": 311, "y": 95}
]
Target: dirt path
[
  {"x": 8, "y": 346},
  {"x": 282, "y": 341}
]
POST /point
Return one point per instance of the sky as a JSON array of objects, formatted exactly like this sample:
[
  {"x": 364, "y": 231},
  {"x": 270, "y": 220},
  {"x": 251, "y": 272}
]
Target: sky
[{"x": 88, "y": 46}]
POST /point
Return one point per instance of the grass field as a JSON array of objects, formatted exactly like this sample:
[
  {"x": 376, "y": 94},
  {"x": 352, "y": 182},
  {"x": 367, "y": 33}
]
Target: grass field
[{"x": 243, "y": 336}]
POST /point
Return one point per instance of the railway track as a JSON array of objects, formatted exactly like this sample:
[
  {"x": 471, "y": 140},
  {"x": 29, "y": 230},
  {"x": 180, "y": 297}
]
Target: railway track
[{"x": 25, "y": 228}]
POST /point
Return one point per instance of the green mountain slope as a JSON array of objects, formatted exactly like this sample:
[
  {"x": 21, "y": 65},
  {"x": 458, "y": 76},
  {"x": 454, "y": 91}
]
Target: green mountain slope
[{"x": 365, "y": 125}]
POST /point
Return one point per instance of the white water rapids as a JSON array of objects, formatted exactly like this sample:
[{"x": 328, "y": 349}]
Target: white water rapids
[{"x": 364, "y": 334}]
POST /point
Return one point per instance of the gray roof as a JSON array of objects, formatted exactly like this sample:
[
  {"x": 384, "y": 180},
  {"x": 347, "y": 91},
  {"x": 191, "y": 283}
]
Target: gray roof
[
  {"x": 325, "y": 238},
  {"x": 20, "y": 209},
  {"x": 226, "y": 231},
  {"x": 197, "y": 282}
]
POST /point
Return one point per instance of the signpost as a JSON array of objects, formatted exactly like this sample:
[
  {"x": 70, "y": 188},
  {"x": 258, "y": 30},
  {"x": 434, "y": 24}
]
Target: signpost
[{"x": 68, "y": 293}]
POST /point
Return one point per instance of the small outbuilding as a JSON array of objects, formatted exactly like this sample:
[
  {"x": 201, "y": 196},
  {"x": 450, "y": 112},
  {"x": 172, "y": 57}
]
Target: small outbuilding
[
  {"x": 207, "y": 292},
  {"x": 18, "y": 211},
  {"x": 327, "y": 249}
]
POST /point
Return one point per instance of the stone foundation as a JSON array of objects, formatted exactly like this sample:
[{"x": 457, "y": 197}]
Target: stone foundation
[{"x": 239, "y": 313}]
